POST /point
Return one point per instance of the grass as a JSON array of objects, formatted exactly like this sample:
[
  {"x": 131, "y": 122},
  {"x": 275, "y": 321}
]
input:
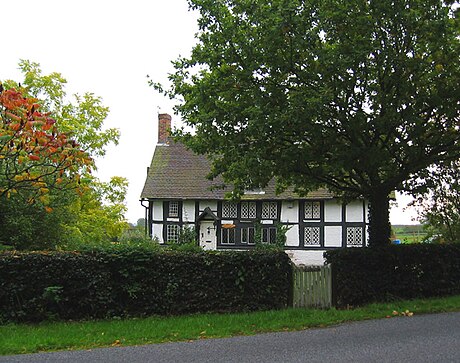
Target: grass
[{"x": 51, "y": 336}]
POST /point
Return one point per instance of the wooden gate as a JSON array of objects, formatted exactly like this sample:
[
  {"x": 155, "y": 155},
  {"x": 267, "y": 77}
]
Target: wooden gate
[{"x": 312, "y": 287}]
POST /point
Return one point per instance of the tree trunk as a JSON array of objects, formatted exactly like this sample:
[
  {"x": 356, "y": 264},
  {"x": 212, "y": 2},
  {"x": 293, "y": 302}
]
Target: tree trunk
[{"x": 379, "y": 219}]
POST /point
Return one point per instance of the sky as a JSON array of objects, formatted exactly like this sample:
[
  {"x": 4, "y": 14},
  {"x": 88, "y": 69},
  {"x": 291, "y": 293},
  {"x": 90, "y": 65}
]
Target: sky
[{"x": 108, "y": 47}]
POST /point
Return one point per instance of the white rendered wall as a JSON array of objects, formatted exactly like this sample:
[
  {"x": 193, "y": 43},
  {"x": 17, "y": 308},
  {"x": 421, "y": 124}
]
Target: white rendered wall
[
  {"x": 212, "y": 204},
  {"x": 158, "y": 210},
  {"x": 332, "y": 236},
  {"x": 292, "y": 236},
  {"x": 332, "y": 211},
  {"x": 289, "y": 211},
  {"x": 158, "y": 232},
  {"x": 188, "y": 211},
  {"x": 354, "y": 211},
  {"x": 306, "y": 258}
]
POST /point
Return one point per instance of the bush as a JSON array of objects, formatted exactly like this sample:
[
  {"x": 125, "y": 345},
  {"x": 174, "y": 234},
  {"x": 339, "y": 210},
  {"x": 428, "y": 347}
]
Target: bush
[
  {"x": 136, "y": 281},
  {"x": 363, "y": 275}
]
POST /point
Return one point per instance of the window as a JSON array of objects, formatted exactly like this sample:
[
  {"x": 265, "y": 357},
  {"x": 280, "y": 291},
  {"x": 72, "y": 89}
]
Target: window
[
  {"x": 269, "y": 235},
  {"x": 248, "y": 210},
  {"x": 229, "y": 210},
  {"x": 312, "y": 236},
  {"x": 228, "y": 236},
  {"x": 354, "y": 236},
  {"x": 312, "y": 210},
  {"x": 269, "y": 210},
  {"x": 247, "y": 235},
  {"x": 173, "y": 209},
  {"x": 172, "y": 233}
]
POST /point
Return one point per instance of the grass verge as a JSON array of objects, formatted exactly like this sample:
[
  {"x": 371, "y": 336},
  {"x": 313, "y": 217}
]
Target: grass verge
[{"x": 51, "y": 336}]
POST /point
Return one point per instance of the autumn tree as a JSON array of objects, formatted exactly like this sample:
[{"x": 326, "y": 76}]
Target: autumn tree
[
  {"x": 34, "y": 155},
  {"x": 358, "y": 96},
  {"x": 92, "y": 213}
]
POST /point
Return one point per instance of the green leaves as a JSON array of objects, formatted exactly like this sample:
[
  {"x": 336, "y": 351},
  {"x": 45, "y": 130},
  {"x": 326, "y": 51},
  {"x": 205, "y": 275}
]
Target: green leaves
[{"x": 356, "y": 96}]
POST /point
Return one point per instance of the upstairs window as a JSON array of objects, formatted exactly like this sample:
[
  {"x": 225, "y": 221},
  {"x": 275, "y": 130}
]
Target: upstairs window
[
  {"x": 269, "y": 210},
  {"x": 173, "y": 209},
  {"x": 312, "y": 210},
  {"x": 248, "y": 210},
  {"x": 229, "y": 210}
]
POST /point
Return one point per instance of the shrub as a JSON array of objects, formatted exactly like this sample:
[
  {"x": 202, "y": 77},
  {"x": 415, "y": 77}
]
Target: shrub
[
  {"x": 124, "y": 280},
  {"x": 364, "y": 275}
]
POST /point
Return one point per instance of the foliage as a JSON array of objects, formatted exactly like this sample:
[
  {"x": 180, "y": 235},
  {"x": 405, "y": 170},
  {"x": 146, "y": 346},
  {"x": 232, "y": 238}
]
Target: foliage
[
  {"x": 440, "y": 207},
  {"x": 83, "y": 117},
  {"x": 34, "y": 155},
  {"x": 357, "y": 96},
  {"x": 98, "y": 214},
  {"x": 363, "y": 275},
  {"x": 187, "y": 235},
  {"x": 133, "y": 281},
  {"x": 280, "y": 240},
  {"x": 92, "y": 214}
]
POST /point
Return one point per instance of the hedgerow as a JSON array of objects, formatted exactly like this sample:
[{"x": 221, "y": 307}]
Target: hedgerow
[
  {"x": 363, "y": 275},
  {"x": 134, "y": 281}
]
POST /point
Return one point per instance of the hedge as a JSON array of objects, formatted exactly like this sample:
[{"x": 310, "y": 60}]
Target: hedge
[
  {"x": 364, "y": 275},
  {"x": 38, "y": 286}
]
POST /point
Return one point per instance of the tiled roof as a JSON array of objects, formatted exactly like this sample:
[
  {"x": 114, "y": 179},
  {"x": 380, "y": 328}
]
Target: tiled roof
[{"x": 178, "y": 173}]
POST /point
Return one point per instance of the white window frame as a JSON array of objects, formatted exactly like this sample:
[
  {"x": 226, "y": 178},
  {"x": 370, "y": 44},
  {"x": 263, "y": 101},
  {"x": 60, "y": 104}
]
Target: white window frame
[{"x": 173, "y": 209}]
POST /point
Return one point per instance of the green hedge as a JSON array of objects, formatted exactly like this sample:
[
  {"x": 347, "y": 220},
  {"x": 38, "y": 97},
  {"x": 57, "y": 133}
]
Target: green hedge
[
  {"x": 363, "y": 275},
  {"x": 38, "y": 286}
]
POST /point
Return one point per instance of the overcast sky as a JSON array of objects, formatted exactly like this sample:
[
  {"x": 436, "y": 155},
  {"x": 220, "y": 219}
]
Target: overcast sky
[{"x": 108, "y": 47}]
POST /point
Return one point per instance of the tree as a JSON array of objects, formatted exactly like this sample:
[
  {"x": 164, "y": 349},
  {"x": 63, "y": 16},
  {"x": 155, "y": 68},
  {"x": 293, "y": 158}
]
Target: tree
[
  {"x": 92, "y": 213},
  {"x": 82, "y": 116},
  {"x": 98, "y": 215},
  {"x": 34, "y": 155},
  {"x": 358, "y": 96},
  {"x": 440, "y": 206}
]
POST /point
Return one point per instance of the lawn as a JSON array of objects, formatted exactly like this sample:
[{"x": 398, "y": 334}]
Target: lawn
[{"x": 51, "y": 336}]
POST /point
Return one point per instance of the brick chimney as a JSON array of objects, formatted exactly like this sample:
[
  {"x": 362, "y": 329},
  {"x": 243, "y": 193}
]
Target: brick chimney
[{"x": 164, "y": 127}]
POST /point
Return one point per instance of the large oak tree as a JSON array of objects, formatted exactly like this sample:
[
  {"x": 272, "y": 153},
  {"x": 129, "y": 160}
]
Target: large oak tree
[{"x": 358, "y": 96}]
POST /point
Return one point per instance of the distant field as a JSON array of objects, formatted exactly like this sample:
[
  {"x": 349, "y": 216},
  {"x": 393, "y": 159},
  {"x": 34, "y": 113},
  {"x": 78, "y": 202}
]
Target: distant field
[
  {"x": 409, "y": 233},
  {"x": 410, "y": 237}
]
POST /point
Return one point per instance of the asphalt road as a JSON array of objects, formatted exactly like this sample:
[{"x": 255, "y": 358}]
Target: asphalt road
[{"x": 424, "y": 338}]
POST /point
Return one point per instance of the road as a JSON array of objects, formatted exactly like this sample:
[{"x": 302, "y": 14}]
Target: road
[{"x": 424, "y": 338}]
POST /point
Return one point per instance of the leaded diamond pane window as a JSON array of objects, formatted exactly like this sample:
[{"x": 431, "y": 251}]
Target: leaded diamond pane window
[
  {"x": 228, "y": 236},
  {"x": 268, "y": 235},
  {"x": 247, "y": 235},
  {"x": 312, "y": 210},
  {"x": 248, "y": 210},
  {"x": 354, "y": 236},
  {"x": 172, "y": 233},
  {"x": 312, "y": 236},
  {"x": 269, "y": 210},
  {"x": 229, "y": 210}
]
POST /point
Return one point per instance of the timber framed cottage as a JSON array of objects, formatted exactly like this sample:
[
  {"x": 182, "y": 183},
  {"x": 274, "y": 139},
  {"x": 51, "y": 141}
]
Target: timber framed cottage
[{"x": 177, "y": 194}]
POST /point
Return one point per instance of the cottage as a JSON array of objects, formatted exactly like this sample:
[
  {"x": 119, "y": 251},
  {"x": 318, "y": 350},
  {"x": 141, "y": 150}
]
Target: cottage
[{"x": 177, "y": 194}]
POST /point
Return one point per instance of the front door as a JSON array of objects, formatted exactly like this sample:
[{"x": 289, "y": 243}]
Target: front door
[{"x": 208, "y": 235}]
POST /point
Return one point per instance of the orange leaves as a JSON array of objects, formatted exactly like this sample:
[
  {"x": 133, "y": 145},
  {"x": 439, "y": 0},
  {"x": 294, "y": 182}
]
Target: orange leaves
[
  {"x": 32, "y": 146},
  {"x": 34, "y": 157}
]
